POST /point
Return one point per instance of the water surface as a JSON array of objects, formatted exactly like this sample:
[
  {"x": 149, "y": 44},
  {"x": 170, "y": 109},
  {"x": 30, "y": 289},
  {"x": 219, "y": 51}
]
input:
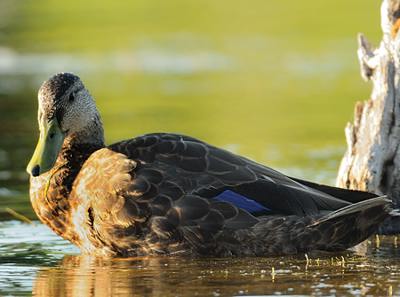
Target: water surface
[{"x": 51, "y": 267}]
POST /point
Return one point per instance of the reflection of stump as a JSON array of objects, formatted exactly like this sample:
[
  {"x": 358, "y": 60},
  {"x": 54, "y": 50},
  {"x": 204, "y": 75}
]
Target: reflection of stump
[{"x": 372, "y": 159}]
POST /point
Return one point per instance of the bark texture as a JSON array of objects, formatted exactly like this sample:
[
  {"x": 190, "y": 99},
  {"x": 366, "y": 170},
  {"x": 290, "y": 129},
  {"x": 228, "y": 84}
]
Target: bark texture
[{"x": 372, "y": 159}]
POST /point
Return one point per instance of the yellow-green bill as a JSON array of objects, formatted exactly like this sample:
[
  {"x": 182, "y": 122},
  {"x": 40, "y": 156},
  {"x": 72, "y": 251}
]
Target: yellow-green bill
[{"x": 46, "y": 152}]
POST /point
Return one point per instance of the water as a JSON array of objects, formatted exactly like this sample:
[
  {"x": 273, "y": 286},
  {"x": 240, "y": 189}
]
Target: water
[
  {"x": 51, "y": 267},
  {"x": 272, "y": 80}
]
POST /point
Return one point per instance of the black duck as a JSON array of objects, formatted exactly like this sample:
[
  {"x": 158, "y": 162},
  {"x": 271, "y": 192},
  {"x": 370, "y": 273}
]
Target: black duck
[{"x": 173, "y": 194}]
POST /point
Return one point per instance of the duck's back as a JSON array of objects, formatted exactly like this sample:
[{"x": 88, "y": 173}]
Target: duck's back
[{"x": 201, "y": 169}]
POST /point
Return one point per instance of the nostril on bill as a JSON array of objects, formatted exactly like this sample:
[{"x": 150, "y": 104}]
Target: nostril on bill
[{"x": 36, "y": 170}]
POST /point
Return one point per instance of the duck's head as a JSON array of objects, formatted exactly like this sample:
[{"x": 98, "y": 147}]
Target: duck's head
[{"x": 66, "y": 109}]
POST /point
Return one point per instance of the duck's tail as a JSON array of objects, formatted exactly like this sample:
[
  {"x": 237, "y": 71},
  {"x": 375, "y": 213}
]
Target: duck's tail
[{"x": 348, "y": 226}]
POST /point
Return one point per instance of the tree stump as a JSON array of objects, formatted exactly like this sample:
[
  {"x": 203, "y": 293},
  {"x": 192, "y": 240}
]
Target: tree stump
[{"x": 372, "y": 160}]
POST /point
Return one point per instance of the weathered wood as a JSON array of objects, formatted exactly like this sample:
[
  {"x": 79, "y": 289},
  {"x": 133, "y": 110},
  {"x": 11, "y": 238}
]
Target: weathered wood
[{"x": 372, "y": 159}]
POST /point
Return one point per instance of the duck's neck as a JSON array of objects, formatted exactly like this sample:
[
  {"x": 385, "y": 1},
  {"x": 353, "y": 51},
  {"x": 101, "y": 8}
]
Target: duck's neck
[{"x": 50, "y": 192}]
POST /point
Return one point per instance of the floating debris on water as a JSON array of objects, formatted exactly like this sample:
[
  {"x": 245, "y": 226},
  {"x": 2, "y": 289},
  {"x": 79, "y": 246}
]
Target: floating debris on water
[
  {"x": 377, "y": 241},
  {"x": 342, "y": 262},
  {"x": 18, "y": 216},
  {"x": 307, "y": 259}
]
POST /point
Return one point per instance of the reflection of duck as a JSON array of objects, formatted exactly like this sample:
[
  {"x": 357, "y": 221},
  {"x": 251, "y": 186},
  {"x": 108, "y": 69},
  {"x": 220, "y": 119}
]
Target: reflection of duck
[
  {"x": 81, "y": 276},
  {"x": 78, "y": 276},
  {"x": 168, "y": 193}
]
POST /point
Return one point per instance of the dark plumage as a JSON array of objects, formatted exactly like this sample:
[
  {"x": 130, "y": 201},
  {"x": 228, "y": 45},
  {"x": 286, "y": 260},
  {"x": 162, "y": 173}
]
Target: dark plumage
[{"x": 173, "y": 194}]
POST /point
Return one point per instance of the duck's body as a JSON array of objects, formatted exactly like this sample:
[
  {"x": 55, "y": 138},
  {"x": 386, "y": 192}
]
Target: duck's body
[{"x": 173, "y": 194}]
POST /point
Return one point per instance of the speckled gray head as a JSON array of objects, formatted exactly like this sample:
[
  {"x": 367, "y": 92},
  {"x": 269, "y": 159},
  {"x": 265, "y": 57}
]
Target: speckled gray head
[
  {"x": 66, "y": 110},
  {"x": 65, "y": 99},
  {"x": 58, "y": 84},
  {"x": 54, "y": 92}
]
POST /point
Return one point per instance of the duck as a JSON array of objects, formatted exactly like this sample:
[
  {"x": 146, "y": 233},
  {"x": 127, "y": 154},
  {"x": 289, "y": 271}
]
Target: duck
[{"x": 172, "y": 194}]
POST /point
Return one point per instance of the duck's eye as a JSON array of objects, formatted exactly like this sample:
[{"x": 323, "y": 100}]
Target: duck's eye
[
  {"x": 51, "y": 135},
  {"x": 71, "y": 97}
]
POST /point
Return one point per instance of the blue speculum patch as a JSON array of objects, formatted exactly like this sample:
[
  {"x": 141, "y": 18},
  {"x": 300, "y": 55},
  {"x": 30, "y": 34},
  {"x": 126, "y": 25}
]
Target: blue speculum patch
[{"x": 241, "y": 201}]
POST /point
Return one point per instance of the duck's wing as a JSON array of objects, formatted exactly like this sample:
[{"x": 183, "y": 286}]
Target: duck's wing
[{"x": 215, "y": 174}]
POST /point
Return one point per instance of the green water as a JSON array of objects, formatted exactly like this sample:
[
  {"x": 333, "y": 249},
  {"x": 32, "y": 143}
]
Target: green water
[{"x": 273, "y": 80}]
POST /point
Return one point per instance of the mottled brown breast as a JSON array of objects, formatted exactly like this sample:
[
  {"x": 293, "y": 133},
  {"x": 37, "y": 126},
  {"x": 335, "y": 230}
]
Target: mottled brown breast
[
  {"x": 49, "y": 200},
  {"x": 50, "y": 192},
  {"x": 104, "y": 211}
]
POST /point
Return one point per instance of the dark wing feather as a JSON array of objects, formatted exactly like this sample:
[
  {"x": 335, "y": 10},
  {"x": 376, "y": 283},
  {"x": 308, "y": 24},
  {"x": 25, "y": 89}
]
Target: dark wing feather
[
  {"x": 206, "y": 171},
  {"x": 352, "y": 196}
]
